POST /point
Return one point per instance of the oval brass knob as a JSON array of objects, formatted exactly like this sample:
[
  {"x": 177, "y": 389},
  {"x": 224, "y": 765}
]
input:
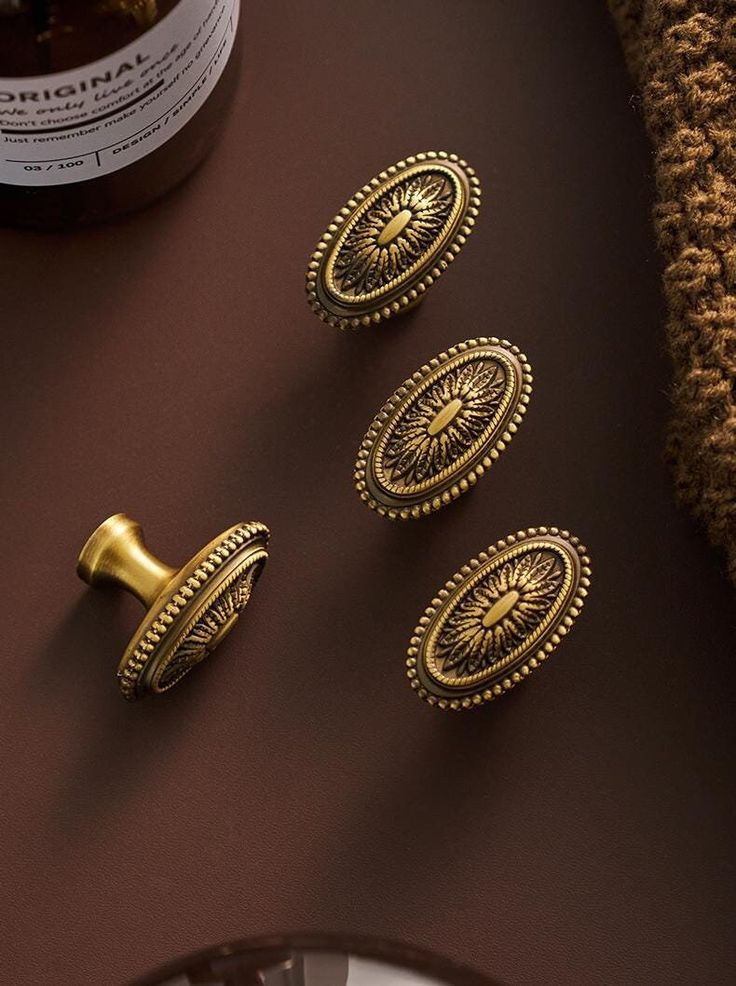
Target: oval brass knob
[
  {"x": 190, "y": 610},
  {"x": 443, "y": 428},
  {"x": 498, "y": 618},
  {"x": 393, "y": 239}
]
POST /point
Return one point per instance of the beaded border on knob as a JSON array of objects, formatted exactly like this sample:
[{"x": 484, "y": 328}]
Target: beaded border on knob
[
  {"x": 466, "y": 482},
  {"x": 418, "y": 289},
  {"x": 572, "y": 611},
  {"x": 189, "y": 593}
]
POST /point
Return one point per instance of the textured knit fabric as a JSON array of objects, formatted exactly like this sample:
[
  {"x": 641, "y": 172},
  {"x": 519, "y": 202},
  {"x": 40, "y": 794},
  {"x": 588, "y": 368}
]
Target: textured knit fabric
[{"x": 682, "y": 54}]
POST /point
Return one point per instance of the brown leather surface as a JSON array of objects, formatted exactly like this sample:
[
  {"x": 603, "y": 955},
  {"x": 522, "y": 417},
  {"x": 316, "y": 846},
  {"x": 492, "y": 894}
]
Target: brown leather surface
[{"x": 581, "y": 829}]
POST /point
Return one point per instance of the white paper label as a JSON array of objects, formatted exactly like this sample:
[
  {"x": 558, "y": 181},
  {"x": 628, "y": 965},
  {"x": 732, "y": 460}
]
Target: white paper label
[{"x": 71, "y": 126}]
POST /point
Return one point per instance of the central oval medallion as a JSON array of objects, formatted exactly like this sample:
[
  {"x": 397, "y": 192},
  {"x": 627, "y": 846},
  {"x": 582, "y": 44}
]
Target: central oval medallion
[
  {"x": 500, "y": 608},
  {"x": 394, "y": 227},
  {"x": 445, "y": 417}
]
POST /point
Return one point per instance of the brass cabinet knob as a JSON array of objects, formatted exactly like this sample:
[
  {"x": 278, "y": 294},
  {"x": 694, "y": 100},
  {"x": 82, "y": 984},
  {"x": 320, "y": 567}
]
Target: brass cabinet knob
[
  {"x": 443, "y": 428},
  {"x": 190, "y": 610},
  {"x": 393, "y": 239},
  {"x": 498, "y": 618}
]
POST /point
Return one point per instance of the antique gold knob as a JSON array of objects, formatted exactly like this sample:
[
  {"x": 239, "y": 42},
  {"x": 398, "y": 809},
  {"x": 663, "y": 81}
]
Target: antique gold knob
[
  {"x": 443, "y": 428},
  {"x": 393, "y": 239},
  {"x": 498, "y": 618},
  {"x": 190, "y": 610}
]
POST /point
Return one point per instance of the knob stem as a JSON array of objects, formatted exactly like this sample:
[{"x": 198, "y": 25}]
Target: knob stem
[{"x": 116, "y": 553}]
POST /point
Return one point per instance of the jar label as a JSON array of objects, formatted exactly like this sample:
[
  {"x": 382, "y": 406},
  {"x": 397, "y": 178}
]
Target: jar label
[{"x": 100, "y": 117}]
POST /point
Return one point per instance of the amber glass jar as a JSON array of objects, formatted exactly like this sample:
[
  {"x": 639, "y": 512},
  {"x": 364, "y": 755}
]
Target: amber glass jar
[{"x": 106, "y": 104}]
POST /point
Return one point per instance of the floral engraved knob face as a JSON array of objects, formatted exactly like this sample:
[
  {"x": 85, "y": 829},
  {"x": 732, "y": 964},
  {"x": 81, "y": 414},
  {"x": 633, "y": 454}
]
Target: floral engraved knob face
[
  {"x": 392, "y": 234},
  {"x": 207, "y": 628},
  {"x": 440, "y": 431},
  {"x": 498, "y": 618},
  {"x": 393, "y": 239}
]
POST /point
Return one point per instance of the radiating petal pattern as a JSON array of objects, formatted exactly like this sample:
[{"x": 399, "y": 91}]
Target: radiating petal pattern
[
  {"x": 194, "y": 647},
  {"x": 414, "y": 453},
  {"x": 533, "y": 580},
  {"x": 364, "y": 263}
]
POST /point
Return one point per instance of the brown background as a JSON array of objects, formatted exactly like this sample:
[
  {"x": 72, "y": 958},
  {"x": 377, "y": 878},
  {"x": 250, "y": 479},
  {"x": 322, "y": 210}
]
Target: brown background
[{"x": 581, "y": 830}]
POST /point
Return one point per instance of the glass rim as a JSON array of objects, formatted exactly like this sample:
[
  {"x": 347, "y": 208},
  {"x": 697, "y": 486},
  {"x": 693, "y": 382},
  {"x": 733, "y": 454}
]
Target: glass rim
[{"x": 417, "y": 959}]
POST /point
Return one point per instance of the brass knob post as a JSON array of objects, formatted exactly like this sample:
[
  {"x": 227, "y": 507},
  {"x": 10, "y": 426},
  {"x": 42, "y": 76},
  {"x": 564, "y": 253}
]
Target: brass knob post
[
  {"x": 190, "y": 610},
  {"x": 116, "y": 553}
]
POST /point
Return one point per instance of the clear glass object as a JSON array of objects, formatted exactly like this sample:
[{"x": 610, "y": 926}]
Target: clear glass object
[
  {"x": 314, "y": 961},
  {"x": 107, "y": 104}
]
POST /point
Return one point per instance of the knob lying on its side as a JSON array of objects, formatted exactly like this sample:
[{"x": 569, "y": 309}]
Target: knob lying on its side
[{"x": 190, "y": 610}]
